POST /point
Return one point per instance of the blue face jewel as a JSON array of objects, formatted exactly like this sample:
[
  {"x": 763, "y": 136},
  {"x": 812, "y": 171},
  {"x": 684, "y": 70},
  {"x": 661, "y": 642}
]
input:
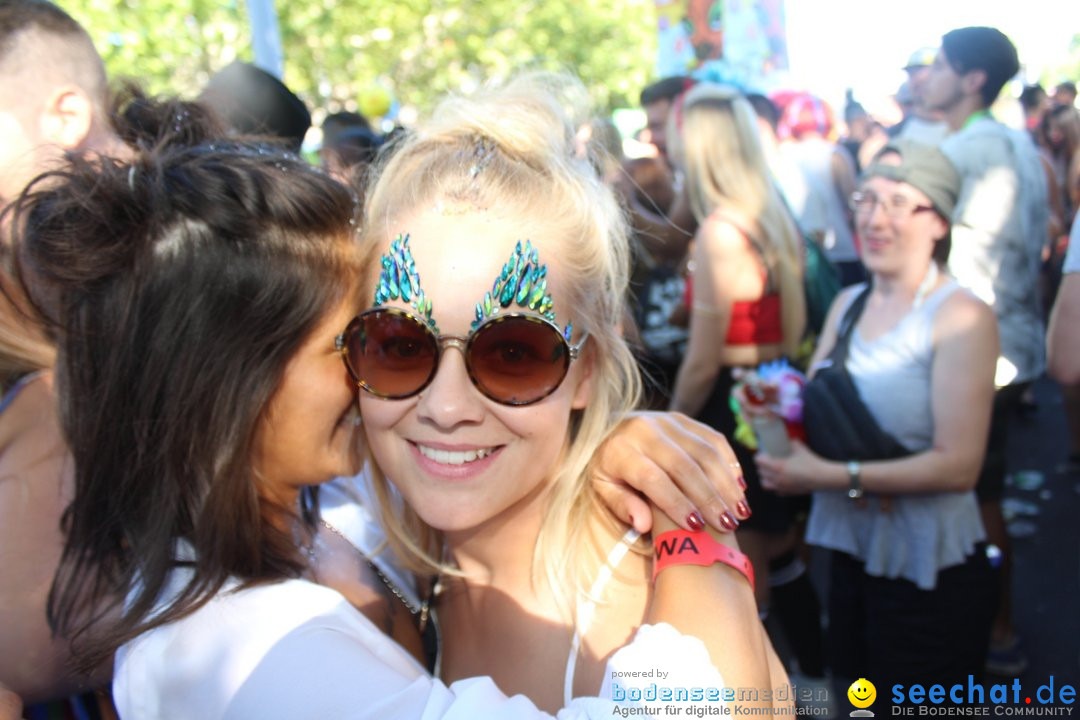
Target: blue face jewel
[
  {"x": 399, "y": 280},
  {"x": 522, "y": 282}
]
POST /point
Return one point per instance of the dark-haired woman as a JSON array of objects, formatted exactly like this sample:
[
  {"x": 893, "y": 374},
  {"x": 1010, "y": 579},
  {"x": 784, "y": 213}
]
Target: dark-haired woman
[
  {"x": 36, "y": 474},
  {"x": 197, "y": 294}
]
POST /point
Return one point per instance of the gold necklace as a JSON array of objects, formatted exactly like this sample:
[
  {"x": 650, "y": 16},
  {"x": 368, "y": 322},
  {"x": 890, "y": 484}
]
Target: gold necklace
[{"x": 421, "y": 612}]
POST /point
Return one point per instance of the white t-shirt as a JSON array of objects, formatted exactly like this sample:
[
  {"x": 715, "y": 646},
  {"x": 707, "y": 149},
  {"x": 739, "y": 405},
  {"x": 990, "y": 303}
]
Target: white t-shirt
[{"x": 295, "y": 650}]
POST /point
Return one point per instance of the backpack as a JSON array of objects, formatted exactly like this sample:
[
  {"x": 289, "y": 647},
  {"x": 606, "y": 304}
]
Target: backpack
[{"x": 821, "y": 284}]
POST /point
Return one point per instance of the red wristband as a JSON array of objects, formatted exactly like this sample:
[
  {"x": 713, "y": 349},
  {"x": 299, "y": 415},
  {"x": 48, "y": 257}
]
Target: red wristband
[{"x": 680, "y": 547}]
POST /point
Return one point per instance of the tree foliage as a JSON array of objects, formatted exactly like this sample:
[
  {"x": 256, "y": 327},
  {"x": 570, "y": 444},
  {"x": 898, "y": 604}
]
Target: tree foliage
[{"x": 417, "y": 49}]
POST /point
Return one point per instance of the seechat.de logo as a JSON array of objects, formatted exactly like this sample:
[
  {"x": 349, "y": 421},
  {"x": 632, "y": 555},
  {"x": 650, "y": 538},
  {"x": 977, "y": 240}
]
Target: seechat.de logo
[{"x": 974, "y": 698}]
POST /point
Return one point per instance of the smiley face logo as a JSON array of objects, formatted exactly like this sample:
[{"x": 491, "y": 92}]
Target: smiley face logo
[{"x": 862, "y": 693}]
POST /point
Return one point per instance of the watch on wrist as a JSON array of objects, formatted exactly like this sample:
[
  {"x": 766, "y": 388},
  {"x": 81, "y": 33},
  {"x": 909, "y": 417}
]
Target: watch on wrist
[{"x": 855, "y": 488}]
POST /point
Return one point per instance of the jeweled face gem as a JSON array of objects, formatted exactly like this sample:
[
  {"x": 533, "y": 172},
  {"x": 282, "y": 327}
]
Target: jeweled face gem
[
  {"x": 522, "y": 282},
  {"x": 399, "y": 280}
]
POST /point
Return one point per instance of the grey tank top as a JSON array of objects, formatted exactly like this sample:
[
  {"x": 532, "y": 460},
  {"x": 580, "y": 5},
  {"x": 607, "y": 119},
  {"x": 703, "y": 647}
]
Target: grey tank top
[{"x": 922, "y": 533}]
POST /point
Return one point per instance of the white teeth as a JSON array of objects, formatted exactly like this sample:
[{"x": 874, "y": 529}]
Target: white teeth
[{"x": 451, "y": 457}]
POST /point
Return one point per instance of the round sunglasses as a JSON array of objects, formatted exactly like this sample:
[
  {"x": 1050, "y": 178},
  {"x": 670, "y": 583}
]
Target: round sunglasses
[{"x": 512, "y": 358}]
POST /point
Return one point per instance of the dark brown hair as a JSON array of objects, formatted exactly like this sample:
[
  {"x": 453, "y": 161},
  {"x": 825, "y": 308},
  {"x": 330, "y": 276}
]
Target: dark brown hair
[
  {"x": 180, "y": 286},
  {"x": 982, "y": 48}
]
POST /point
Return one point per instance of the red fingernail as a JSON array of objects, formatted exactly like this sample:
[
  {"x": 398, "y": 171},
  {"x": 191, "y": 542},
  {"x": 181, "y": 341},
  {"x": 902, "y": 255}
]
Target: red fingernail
[
  {"x": 695, "y": 522},
  {"x": 728, "y": 521},
  {"x": 742, "y": 482},
  {"x": 743, "y": 509}
]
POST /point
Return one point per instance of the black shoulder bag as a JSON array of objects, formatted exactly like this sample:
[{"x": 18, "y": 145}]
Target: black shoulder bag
[{"x": 838, "y": 424}]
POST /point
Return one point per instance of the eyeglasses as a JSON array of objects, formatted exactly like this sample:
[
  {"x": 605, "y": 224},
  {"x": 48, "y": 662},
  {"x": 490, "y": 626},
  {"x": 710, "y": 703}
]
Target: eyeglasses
[
  {"x": 512, "y": 358},
  {"x": 897, "y": 207}
]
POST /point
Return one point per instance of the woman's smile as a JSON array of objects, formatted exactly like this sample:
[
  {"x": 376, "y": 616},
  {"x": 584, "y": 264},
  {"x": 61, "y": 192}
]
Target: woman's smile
[{"x": 456, "y": 462}]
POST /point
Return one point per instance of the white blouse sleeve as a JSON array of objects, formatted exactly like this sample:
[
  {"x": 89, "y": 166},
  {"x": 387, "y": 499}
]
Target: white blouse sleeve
[{"x": 322, "y": 673}]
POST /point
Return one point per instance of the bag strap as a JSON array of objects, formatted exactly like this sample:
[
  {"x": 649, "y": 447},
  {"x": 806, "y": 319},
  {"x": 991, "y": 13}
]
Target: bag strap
[{"x": 847, "y": 326}]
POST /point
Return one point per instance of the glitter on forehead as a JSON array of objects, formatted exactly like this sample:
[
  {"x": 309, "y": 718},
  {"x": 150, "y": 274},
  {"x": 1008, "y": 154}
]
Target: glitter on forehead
[
  {"x": 522, "y": 282},
  {"x": 399, "y": 280}
]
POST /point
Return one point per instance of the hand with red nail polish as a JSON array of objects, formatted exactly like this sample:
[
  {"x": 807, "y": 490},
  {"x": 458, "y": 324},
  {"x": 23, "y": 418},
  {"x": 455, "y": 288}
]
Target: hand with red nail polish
[{"x": 681, "y": 465}]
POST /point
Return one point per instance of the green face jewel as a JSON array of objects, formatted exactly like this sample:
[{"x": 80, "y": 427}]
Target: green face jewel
[
  {"x": 522, "y": 282},
  {"x": 400, "y": 281}
]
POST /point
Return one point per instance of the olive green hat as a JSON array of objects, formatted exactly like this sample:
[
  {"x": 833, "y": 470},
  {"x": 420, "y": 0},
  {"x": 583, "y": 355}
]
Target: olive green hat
[{"x": 923, "y": 167}]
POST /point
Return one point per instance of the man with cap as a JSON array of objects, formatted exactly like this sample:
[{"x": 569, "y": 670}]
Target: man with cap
[
  {"x": 911, "y": 591},
  {"x": 921, "y": 124},
  {"x": 1000, "y": 226}
]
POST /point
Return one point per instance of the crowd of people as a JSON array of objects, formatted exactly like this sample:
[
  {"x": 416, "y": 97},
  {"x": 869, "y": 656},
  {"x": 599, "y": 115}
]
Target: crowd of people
[
  {"x": 988, "y": 210},
  {"x": 414, "y": 433}
]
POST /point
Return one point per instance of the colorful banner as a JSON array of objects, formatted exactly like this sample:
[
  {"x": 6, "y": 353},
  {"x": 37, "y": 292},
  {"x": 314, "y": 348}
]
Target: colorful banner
[{"x": 737, "y": 41}]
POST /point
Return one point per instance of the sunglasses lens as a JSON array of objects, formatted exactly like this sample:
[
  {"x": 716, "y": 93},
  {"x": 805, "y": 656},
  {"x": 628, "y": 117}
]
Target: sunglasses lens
[
  {"x": 518, "y": 360},
  {"x": 391, "y": 354}
]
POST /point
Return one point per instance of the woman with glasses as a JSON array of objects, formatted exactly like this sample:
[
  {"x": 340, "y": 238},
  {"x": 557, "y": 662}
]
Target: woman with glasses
[
  {"x": 911, "y": 594},
  {"x": 491, "y": 365},
  {"x": 197, "y": 292}
]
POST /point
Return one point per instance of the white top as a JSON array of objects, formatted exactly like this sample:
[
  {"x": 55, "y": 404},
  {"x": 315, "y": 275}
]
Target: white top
[
  {"x": 1072, "y": 254},
  {"x": 295, "y": 650},
  {"x": 921, "y": 533}
]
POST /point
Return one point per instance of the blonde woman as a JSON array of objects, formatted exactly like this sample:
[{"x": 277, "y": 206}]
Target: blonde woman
[
  {"x": 747, "y": 294},
  {"x": 484, "y": 401}
]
